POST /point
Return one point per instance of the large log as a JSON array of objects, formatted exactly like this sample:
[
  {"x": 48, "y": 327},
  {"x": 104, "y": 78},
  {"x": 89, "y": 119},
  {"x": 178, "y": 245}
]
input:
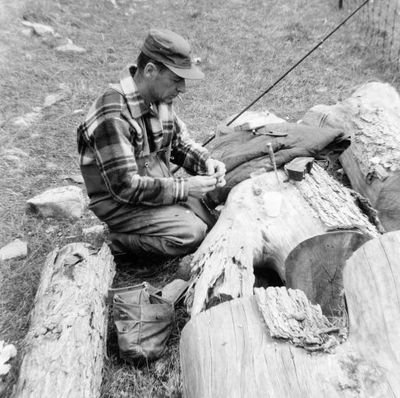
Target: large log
[
  {"x": 261, "y": 222},
  {"x": 228, "y": 351},
  {"x": 65, "y": 344},
  {"x": 371, "y": 116}
]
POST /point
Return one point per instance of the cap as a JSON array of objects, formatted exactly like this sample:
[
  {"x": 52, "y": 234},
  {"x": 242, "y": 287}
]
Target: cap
[{"x": 173, "y": 51}]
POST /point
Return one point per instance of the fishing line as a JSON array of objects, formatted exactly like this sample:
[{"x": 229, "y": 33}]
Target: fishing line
[
  {"x": 287, "y": 72},
  {"x": 298, "y": 63}
]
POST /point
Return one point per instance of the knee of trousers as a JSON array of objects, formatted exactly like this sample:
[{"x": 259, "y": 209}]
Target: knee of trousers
[{"x": 193, "y": 234}]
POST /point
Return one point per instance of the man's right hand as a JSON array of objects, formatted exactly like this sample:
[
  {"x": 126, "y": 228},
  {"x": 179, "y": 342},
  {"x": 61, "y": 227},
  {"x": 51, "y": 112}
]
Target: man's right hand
[{"x": 200, "y": 185}]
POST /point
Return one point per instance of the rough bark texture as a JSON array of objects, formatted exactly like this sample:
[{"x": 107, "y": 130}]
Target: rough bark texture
[
  {"x": 228, "y": 351},
  {"x": 65, "y": 345},
  {"x": 261, "y": 223},
  {"x": 371, "y": 116}
]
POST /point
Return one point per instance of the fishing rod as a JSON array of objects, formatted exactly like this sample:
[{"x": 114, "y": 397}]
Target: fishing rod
[
  {"x": 291, "y": 68},
  {"x": 326, "y": 37}
]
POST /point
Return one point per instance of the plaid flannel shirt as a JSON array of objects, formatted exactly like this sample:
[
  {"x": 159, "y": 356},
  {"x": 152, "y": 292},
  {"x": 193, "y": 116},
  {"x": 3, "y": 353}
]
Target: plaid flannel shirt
[{"x": 112, "y": 136}]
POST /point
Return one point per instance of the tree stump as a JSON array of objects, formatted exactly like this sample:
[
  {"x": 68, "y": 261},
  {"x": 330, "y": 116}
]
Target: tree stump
[
  {"x": 229, "y": 351},
  {"x": 65, "y": 344},
  {"x": 261, "y": 222},
  {"x": 371, "y": 116}
]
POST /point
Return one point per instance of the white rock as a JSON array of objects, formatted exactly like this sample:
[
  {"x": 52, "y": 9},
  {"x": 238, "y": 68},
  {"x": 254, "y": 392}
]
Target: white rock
[
  {"x": 94, "y": 231},
  {"x": 70, "y": 47},
  {"x": 62, "y": 202},
  {"x": 51, "y": 166},
  {"x": 52, "y": 99},
  {"x": 39, "y": 28},
  {"x": 28, "y": 119},
  {"x": 27, "y": 32},
  {"x": 15, "y": 249},
  {"x": 15, "y": 152},
  {"x": 73, "y": 177},
  {"x": 7, "y": 351}
]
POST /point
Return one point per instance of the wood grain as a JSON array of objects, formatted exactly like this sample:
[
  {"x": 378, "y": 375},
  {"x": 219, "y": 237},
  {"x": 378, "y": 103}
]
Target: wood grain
[
  {"x": 227, "y": 350},
  {"x": 65, "y": 345}
]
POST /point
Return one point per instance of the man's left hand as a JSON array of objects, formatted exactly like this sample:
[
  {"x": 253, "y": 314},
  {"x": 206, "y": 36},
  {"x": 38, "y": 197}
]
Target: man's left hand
[{"x": 217, "y": 169}]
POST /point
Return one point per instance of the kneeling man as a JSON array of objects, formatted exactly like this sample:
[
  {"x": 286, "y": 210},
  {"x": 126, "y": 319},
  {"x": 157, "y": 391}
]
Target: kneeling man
[{"x": 126, "y": 143}]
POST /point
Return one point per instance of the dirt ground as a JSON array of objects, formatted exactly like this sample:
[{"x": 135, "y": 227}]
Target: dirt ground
[{"x": 243, "y": 46}]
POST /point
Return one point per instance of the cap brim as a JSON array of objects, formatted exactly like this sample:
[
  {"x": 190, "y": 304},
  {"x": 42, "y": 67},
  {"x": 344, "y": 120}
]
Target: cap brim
[{"x": 193, "y": 72}]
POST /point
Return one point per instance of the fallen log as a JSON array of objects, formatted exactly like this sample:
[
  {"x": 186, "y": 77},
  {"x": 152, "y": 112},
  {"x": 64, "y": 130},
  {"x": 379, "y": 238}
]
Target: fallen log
[
  {"x": 371, "y": 116},
  {"x": 261, "y": 222},
  {"x": 65, "y": 344},
  {"x": 229, "y": 351}
]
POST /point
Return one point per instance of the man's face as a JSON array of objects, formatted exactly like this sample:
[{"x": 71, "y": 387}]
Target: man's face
[{"x": 166, "y": 85}]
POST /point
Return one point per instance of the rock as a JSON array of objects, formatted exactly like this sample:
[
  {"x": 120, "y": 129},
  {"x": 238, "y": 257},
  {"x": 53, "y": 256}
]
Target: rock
[
  {"x": 93, "y": 232},
  {"x": 38, "y": 28},
  {"x": 70, "y": 47},
  {"x": 7, "y": 351},
  {"x": 27, "y": 32},
  {"x": 29, "y": 118},
  {"x": 15, "y": 152},
  {"x": 63, "y": 202},
  {"x": 52, "y": 99},
  {"x": 73, "y": 177},
  {"x": 51, "y": 166},
  {"x": 15, "y": 249},
  {"x": 77, "y": 111}
]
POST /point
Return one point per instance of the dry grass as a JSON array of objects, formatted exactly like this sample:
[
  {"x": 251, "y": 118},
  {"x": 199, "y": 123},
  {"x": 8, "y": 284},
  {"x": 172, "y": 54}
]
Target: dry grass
[{"x": 244, "y": 45}]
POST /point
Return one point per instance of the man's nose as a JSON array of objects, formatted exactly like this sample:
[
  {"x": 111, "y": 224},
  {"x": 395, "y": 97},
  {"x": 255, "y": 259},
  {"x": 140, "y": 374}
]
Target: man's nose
[{"x": 181, "y": 86}]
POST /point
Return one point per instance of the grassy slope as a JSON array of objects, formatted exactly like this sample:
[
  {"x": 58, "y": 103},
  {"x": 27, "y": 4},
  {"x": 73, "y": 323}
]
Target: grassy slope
[{"x": 243, "y": 44}]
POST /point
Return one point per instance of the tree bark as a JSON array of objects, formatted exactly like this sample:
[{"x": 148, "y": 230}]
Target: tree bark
[
  {"x": 65, "y": 344},
  {"x": 261, "y": 223},
  {"x": 229, "y": 351},
  {"x": 371, "y": 116}
]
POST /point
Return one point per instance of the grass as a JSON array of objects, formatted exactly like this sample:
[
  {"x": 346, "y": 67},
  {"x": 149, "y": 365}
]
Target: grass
[{"x": 243, "y": 45}]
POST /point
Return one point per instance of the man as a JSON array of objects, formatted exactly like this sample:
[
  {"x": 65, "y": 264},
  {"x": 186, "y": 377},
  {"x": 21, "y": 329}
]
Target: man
[{"x": 126, "y": 143}]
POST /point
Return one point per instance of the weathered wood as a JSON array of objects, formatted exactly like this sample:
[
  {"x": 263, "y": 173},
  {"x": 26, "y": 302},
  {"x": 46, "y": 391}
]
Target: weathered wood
[
  {"x": 261, "y": 223},
  {"x": 65, "y": 344},
  {"x": 371, "y": 116},
  {"x": 228, "y": 351},
  {"x": 315, "y": 266}
]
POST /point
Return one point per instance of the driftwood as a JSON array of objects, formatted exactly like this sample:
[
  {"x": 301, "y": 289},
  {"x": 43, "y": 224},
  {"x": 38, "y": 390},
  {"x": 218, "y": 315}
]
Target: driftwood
[
  {"x": 65, "y": 345},
  {"x": 371, "y": 116},
  {"x": 229, "y": 351},
  {"x": 261, "y": 223}
]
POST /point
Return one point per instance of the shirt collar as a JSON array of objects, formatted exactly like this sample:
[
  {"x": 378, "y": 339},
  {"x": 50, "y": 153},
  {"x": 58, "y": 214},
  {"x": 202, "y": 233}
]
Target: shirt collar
[{"x": 136, "y": 103}]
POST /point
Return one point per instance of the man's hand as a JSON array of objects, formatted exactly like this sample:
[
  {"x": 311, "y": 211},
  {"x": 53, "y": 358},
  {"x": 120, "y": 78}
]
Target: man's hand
[
  {"x": 216, "y": 169},
  {"x": 200, "y": 185}
]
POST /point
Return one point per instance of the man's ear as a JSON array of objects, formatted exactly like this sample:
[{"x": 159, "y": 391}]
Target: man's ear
[{"x": 150, "y": 71}]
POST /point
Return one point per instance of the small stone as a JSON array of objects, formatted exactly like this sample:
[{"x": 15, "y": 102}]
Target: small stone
[
  {"x": 375, "y": 160},
  {"x": 27, "y": 32},
  {"x": 70, "y": 47},
  {"x": 38, "y": 28},
  {"x": 15, "y": 152},
  {"x": 52, "y": 99},
  {"x": 77, "y": 111},
  {"x": 63, "y": 202},
  {"x": 51, "y": 230},
  {"x": 28, "y": 119},
  {"x": 93, "y": 232},
  {"x": 51, "y": 166},
  {"x": 15, "y": 249},
  {"x": 73, "y": 177},
  {"x": 197, "y": 60}
]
